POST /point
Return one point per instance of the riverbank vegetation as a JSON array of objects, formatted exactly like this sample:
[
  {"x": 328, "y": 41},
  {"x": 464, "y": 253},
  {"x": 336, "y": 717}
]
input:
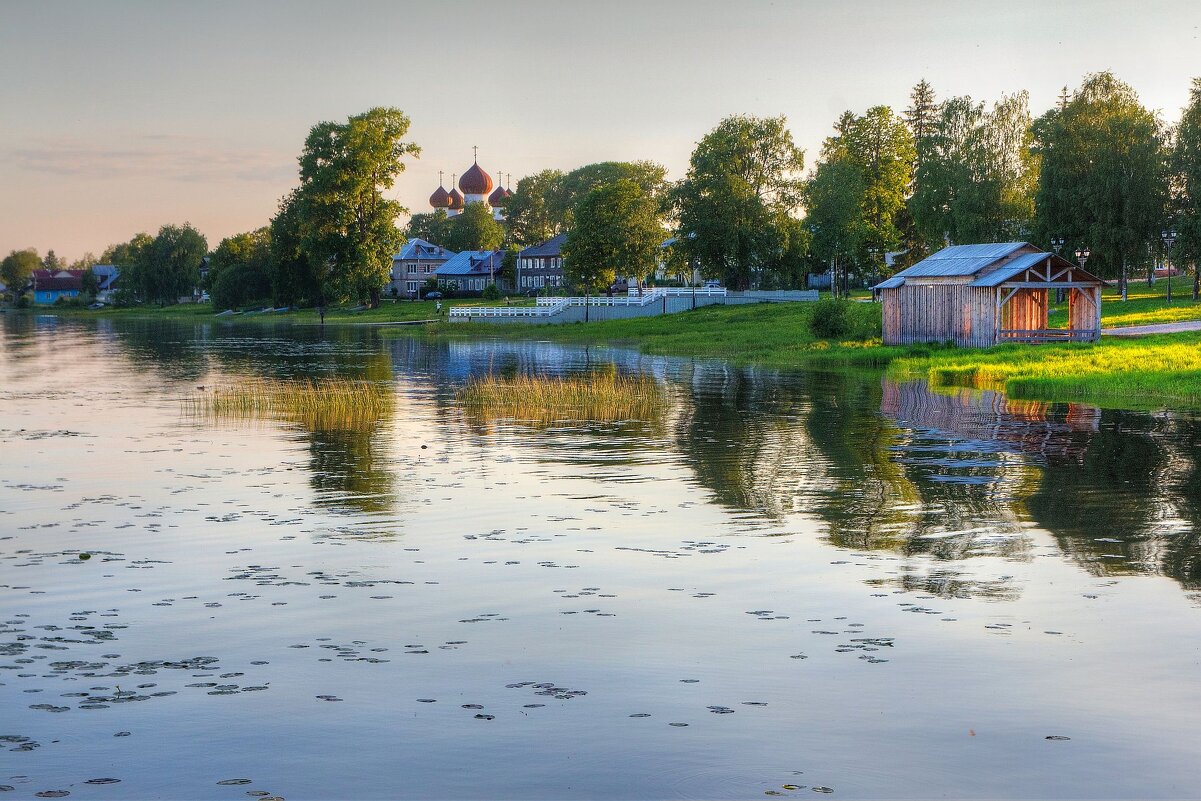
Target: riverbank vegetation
[
  {"x": 1143, "y": 372},
  {"x": 605, "y": 397},
  {"x": 320, "y": 404}
]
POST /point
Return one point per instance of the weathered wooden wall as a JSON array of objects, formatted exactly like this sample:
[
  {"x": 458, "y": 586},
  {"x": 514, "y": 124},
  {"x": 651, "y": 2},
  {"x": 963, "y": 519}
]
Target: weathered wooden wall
[
  {"x": 1082, "y": 315},
  {"x": 965, "y": 315},
  {"x": 1025, "y": 311}
]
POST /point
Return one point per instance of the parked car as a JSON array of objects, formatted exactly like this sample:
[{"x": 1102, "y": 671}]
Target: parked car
[
  {"x": 433, "y": 295},
  {"x": 713, "y": 283}
]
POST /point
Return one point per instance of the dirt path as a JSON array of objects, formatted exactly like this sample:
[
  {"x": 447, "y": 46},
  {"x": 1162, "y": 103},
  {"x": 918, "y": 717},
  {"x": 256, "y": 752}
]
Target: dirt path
[{"x": 1157, "y": 328}]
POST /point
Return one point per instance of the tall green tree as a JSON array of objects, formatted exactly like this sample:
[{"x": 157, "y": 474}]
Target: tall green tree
[
  {"x": 474, "y": 229},
  {"x": 167, "y": 267},
  {"x": 977, "y": 178},
  {"x": 528, "y": 214},
  {"x": 240, "y": 269},
  {"x": 16, "y": 269},
  {"x": 872, "y": 157},
  {"x": 743, "y": 183},
  {"x": 296, "y": 280},
  {"x": 431, "y": 226},
  {"x": 52, "y": 262},
  {"x": 1186, "y": 175},
  {"x": 1103, "y": 176},
  {"x": 347, "y": 221},
  {"x": 569, "y": 191},
  {"x": 616, "y": 231}
]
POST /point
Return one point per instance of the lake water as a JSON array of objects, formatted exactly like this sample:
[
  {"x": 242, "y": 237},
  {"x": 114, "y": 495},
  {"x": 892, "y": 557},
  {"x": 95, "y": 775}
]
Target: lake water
[{"x": 785, "y": 584}]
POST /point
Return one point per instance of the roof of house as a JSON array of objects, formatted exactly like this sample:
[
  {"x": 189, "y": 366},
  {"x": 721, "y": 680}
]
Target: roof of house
[
  {"x": 472, "y": 262},
  {"x": 58, "y": 284},
  {"x": 551, "y": 247},
  {"x": 420, "y": 249},
  {"x": 992, "y": 264}
]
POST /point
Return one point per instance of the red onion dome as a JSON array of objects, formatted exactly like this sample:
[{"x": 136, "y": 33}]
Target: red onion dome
[
  {"x": 440, "y": 199},
  {"x": 456, "y": 200},
  {"x": 475, "y": 181},
  {"x": 498, "y": 196}
]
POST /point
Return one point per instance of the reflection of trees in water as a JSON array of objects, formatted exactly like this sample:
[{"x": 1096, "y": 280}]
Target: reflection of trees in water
[
  {"x": 350, "y": 472},
  {"x": 1131, "y": 504},
  {"x": 740, "y": 436}
]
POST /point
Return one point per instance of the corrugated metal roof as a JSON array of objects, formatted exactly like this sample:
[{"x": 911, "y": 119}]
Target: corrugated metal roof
[
  {"x": 961, "y": 259},
  {"x": 550, "y": 247},
  {"x": 890, "y": 283},
  {"x": 420, "y": 249},
  {"x": 1016, "y": 267},
  {"x": 471, "y": 262}
]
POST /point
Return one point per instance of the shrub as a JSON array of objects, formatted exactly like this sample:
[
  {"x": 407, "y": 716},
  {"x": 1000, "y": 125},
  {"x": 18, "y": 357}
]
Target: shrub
[
  {"x": 829, "y": 319},
  {"x": 491, "y": 292}
]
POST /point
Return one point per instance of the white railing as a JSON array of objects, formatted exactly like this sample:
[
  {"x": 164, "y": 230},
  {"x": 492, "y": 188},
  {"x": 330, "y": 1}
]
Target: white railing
[
  {"x": 686, "y": 291},
  {"x": 541, "y": 310}
]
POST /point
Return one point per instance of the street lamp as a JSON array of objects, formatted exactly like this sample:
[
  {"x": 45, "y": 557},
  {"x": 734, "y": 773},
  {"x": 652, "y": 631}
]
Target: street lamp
[
  {"x": 1168, "y": 237},
  {"x": 1082, "y": 255},
  {"x": 1057, "y": 245},
  {"x": 873, "y": 252}
]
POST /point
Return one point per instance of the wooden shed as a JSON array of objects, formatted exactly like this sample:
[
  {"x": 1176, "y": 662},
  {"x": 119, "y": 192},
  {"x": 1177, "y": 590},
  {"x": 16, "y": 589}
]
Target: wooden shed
[{"x": 981, "y": 295}]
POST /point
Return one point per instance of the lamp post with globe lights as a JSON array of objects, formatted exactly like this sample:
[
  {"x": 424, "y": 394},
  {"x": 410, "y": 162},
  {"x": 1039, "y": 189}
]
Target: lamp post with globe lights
[{"x": 1168, "y": 237}]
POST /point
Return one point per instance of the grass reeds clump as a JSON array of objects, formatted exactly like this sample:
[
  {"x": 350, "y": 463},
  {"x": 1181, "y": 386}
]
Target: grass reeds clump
[
  {"x": 320, "y": 404},
  {"x": 603, "y": 397}
]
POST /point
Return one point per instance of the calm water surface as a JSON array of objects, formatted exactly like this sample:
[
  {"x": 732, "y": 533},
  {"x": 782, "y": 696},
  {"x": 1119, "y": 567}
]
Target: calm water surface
[{"x": 786, "y": 584}]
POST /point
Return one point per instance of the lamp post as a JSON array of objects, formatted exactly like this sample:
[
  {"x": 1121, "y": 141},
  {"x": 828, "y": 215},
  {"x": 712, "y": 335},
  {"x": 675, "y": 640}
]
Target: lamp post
[
  {"x": 1082, "y": 255},
  {"x": 1168, "y": 237},
  {"x": 872, "y": 253},
  {"x": 1057, "y": 245}
]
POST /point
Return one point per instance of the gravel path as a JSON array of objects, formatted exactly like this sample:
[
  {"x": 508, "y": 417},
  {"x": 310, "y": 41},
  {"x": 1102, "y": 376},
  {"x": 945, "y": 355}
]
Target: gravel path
[{"x": 1157, "y": 328}]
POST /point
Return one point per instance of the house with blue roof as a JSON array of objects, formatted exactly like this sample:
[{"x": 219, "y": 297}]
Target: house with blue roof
[
  {"x": 473, "y": 270},
  {"x": 981, "y": 295},
  {"x": 414, "y": 265}
]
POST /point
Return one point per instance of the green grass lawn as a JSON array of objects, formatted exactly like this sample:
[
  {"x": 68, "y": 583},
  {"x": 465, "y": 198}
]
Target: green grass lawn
[
  {"x": 1145, "y": 305},
  {"x": 1126, "y": 372}
]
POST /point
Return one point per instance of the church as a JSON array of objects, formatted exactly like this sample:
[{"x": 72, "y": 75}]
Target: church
[{"x": 475, "y": 186}]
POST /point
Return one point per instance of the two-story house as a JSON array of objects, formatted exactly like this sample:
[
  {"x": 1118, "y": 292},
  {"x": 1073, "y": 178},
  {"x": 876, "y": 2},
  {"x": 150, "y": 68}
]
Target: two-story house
[{"x": 415, "y": 264}]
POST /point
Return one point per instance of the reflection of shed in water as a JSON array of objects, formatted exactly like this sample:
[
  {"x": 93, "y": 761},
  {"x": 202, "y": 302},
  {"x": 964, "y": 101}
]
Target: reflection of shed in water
[{"x": 1024, "y": 426}]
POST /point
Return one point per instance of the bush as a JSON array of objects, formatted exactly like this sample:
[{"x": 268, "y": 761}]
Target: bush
[
  {"x": 22, "y": 302},
  {"x": 491, "y": 292},
  {"x": 829, "y": 319}
]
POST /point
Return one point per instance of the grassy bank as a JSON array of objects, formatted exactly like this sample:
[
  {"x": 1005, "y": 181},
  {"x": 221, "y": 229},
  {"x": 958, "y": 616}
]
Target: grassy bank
[
  {"x": 1145, "y": 372},
  {"x": 1144, "y": 305},
  {"x": 774, "y": 335}
]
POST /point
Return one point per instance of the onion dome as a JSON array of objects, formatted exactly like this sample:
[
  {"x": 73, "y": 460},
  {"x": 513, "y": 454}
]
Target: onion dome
[
  {"x": 456, "y": 200},
  {"x": 498, "y": 196},
  {"x": 440, "y": 199},
  {"x": 475, "y": 181}
]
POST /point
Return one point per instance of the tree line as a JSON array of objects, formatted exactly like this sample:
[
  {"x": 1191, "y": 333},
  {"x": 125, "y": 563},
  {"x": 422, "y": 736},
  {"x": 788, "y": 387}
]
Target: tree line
[{"x": 1098, "y": 171}]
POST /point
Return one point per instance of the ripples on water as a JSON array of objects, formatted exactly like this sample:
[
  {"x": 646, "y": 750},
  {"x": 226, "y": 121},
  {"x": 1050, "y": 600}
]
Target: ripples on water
[{"x": 784, "y": 585}]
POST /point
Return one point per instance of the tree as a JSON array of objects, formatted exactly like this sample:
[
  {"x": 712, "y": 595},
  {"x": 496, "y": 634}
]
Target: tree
[
  {"x": 52, "y": 262},
  {"x": 616, "y": 229},
  {"x": 570, "y": 190},
  {"x": 240, "y": 269},
  {"x": 1186, "y": 173},
  {"x": 17, "y": 268},
  {"x": 346, "y": 221},
  {"x": 977, "y": 178},
  {"x": 866, "y": 166},
  {"x": 528, "y": 215},
  {"x": 431, "y": 226},
  {"x": 742, "y": 183},
  {"x": 474, "y": 229},
  {"x": 85, "y": 261},
  {"x": 166, "y": 267},
  {"x": 89, "y": 283},
  {"x": 1102, "y": 180},
  {"x": 295, "y": 279}
]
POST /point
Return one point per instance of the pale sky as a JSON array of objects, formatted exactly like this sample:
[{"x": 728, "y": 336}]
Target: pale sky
[{"x": 117, "y": 117}]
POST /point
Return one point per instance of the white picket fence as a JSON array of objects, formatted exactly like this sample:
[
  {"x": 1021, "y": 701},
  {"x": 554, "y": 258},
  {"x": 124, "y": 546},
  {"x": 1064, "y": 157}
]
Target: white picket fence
[{"x": 548, "y": 306}]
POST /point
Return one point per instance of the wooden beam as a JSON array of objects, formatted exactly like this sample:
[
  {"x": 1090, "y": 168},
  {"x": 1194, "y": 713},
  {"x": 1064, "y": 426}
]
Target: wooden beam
[{"x": 1048, "y": 285}]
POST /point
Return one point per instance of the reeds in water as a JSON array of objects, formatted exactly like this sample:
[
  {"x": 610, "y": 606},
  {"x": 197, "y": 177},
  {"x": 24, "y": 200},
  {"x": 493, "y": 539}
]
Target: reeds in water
[
  {"x": 319, "y": 404},
  {"x": 603, "y": 397}
]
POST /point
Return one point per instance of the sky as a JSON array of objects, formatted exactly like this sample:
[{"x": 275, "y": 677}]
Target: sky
[{"x": 119, "y": 116}]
